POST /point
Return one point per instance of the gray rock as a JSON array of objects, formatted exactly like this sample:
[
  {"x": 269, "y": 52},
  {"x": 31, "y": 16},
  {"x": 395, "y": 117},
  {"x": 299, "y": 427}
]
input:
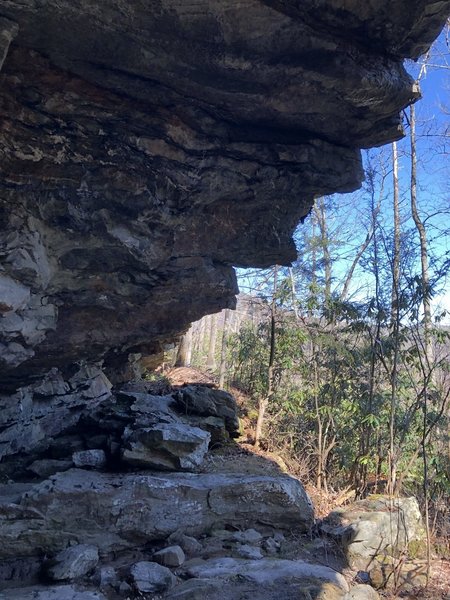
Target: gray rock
[
  {"x": 279, "y": 537},
  {"x": 31, "y": 419},
  {"x": 150, "y": 577},
  {"x": 47, "y": 467},
  {"x": 172, "y": 556},
  {"x": 362, "y": 592},
  {"x": 271, "y": 546},
  {"x": 73, "y": 562},
  {"x": 249, "y": 536},
  {"x": 209, "y": 402},
  {"x": 13, "y": 294},
  {"x": 57, "y": 592},
  {"x": 246, "y": 551},
  {"x": 266, "y": 570},
  {"x": 11, "y": 493},
  {"x": 106, "y": 577},
  {"x": 369, "y": 528},
  {"x": 23, "y": 571},
  {"x": 215, "y": 426},
  {"x": 190, "y": 546},
  {"x": 95, "y": 459},
  {"x": 148, "y": 409},
  {"x": 196, "y": 589},
  {"x": 173, "y": 446},
  {"x": 113, "y": 510},
  {"x": 125, "y": 589}
]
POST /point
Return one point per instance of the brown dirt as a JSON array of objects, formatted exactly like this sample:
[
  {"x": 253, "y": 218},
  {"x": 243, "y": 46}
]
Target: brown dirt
[{"x": 179, "y": 376}]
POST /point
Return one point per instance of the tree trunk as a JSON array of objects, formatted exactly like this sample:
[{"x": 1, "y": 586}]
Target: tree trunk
[
  {"x": 423, "y": 242},
  {"x": 184, "y": 354},
  {"x": 223, "y": 353},
  {"x": 264, "y": 402},
  {"x": 211, "y": 360},
  {"x": 319, "y": 209},
  {"x": 396, "y": 249},
  {"x": 294, "y": 293},
  {"x": 395, "y": 325}
]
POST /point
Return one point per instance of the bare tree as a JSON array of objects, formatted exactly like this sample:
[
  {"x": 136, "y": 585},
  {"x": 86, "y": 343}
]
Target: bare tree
[
  {"x": 184, "y": 354},
  {"x": 223, "y": 352},
  {"x": 264, "y": 401},
  {"x": 211, "y": 360}
]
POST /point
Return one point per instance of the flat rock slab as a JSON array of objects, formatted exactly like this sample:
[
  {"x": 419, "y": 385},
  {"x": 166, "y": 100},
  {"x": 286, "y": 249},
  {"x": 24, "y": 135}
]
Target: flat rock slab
[
  {"x": 116, "y": 512},
  {"x": 266, "y": 571}
]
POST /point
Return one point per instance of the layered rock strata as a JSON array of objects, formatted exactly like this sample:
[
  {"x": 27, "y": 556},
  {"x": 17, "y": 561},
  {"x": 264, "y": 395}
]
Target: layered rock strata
[{"x": 147, "y": 147}]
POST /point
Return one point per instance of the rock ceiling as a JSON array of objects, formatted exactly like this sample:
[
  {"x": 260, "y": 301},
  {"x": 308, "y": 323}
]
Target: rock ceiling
[{"x": 149, "y": 146}]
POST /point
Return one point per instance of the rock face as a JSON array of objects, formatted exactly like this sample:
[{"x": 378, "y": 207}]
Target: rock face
[
  {"x": 383, "y": 538},
  {"x": 120, "y": 511},
  {"x": 31, "y": 419},
  {"x": 147, "y": 147}
]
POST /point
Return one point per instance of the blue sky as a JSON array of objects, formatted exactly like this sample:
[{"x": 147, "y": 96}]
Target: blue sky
[{"x": 433, "y": 180}]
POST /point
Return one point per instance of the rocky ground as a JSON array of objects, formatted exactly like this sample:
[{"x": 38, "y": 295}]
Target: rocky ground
[{"x": 152, "y": 491}]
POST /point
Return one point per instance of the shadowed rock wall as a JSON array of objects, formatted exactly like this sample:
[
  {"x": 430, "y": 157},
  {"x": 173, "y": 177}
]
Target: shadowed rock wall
[{"x": 147, "y": 147}]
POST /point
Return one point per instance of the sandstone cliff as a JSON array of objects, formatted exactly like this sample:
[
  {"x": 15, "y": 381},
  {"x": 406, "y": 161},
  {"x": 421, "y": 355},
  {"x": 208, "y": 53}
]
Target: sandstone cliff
[{"x": 149, "y": 146}]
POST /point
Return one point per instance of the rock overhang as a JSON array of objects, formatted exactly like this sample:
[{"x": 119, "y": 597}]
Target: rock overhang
[{"x": 147, "y": 147}]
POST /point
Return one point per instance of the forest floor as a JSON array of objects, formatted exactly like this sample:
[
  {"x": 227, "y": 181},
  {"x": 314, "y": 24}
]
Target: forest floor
[{"x": 241, "y": 456}]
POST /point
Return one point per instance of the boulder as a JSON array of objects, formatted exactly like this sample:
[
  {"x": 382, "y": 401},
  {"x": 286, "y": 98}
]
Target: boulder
[
  {"x": 267, "y": 571},
  {"x": 148, "y": 409},
  {"x": 208, "y": 402},
  {"x": 375, "y": 528},
  {"x": 215, "y": 426},
  {"x": 190, "y": 546},
  {"x": 118, "y": 511},
  {"x": 150, "y": 577},
  {"x": 72, "y": 563},
  {"x": 167, "y": 447},
  {"x": 172, "y": 556}
]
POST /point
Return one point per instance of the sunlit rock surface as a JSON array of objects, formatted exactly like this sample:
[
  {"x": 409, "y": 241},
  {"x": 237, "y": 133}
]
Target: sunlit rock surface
[{"x": 146, "y": 147}]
